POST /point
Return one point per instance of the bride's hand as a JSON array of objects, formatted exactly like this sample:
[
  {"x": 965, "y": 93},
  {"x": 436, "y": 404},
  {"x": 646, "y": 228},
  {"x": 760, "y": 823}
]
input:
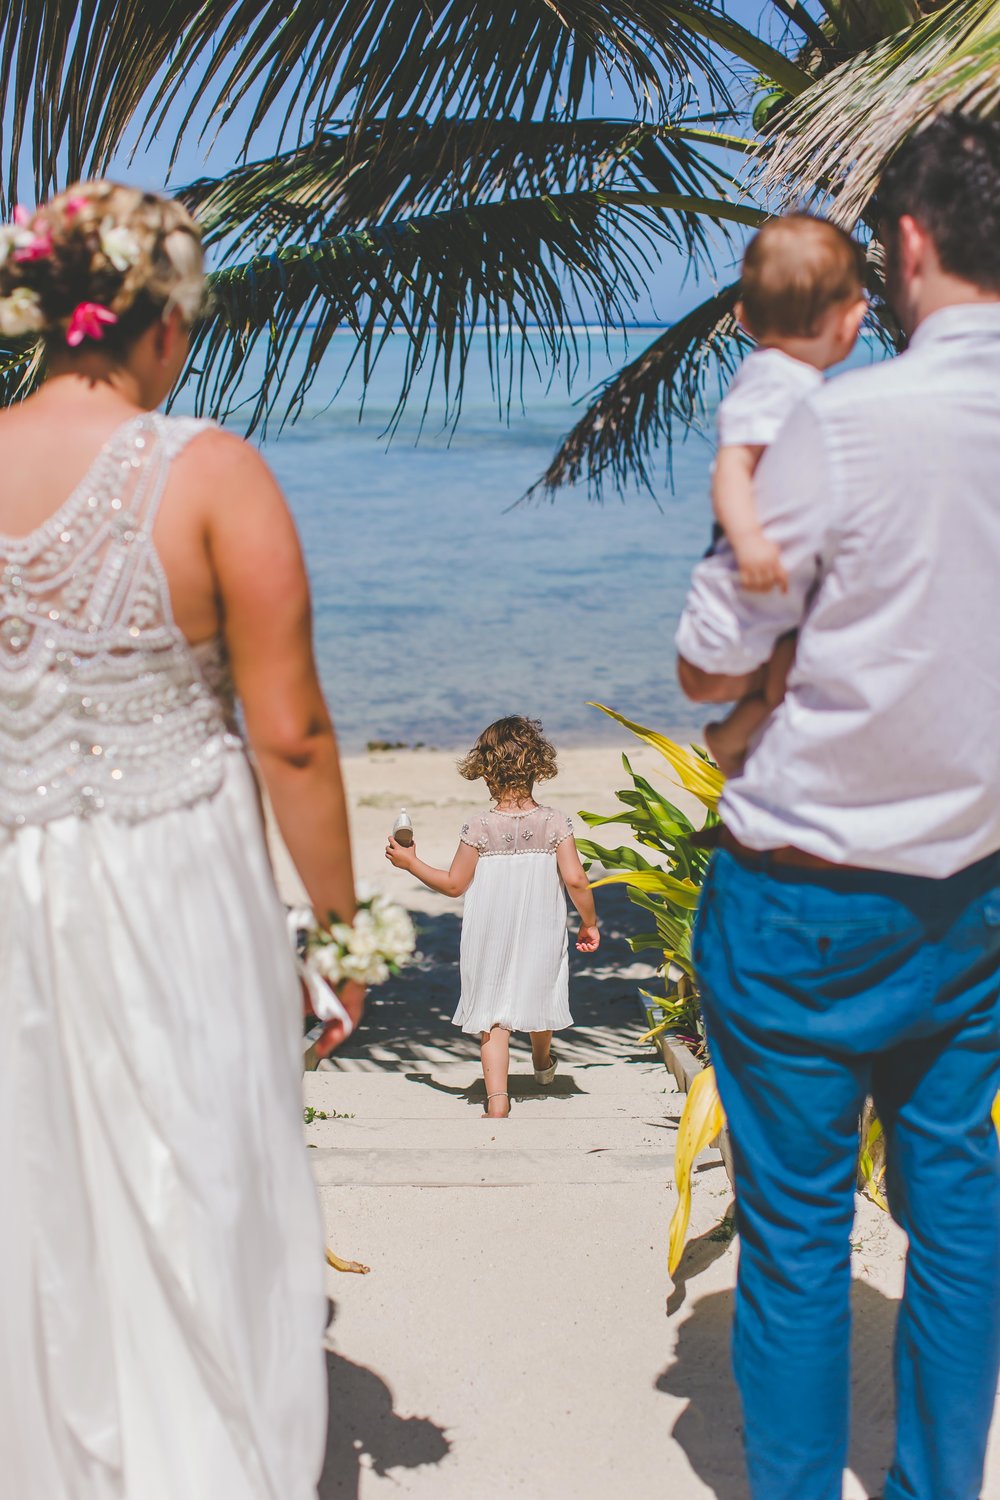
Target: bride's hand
[{"x": 352, "y": 997}]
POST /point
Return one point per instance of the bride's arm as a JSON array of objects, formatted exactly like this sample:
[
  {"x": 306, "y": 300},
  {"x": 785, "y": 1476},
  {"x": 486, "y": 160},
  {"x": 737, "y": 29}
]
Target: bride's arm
[{"x": 265, "y": 613}]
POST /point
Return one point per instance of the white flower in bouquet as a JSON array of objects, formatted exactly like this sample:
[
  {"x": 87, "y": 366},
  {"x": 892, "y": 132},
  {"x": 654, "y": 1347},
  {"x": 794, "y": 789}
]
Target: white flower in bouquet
[{"x": 376, "y": 945}]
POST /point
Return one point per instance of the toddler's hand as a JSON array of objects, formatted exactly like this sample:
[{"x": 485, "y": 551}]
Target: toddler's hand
[
  {"x": 760, "y": 564},
  {"x": 588, "y": 939},
  {"x": 401, "y": 856}
]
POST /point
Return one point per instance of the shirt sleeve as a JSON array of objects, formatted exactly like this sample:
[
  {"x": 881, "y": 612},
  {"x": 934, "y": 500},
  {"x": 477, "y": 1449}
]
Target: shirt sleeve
[
  {"x": 724, "y": 628},
  {"x": 760, "y": 401},
  {"x": 473, "y": 834},
  {"x": 559, "y": 828}
]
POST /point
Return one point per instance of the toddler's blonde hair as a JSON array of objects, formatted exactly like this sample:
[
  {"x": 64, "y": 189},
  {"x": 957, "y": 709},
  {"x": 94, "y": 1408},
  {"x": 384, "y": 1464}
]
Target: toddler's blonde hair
[
  {"x": 795, "y": 270},
  {"x": 510, "y": 756}
]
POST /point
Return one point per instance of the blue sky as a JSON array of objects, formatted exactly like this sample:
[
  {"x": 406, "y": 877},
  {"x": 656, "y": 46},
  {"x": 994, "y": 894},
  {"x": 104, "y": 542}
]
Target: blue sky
[{"x": 670, "y": 290}]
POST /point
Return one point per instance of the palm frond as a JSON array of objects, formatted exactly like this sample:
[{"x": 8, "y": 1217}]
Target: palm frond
[
  {"x": 621, "y": 432},
  {"x": 526, "y": 267},
  {"x": 87, "y": 72},
  {"x": 635, "y": 411},
  {"x": 20, "y": 370},
  {"x": 320, "y": 190},
  {"x": 835, "y": 139}
]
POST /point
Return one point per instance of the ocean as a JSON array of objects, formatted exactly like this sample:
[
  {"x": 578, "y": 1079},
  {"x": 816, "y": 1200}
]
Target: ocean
[{"x": 441, "y": 604}]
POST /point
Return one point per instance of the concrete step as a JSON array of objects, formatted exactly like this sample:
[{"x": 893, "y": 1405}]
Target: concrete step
[
  {"x": 349, "y": 1166},
  {"x": 542, "y": 1131},
  {"x": 464, "y": 1081}
]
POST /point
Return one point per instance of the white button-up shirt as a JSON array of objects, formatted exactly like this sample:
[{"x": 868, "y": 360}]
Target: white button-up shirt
[{"x": 883, "y": 493}]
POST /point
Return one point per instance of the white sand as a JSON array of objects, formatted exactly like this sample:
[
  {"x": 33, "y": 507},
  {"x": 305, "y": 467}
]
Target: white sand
[{"x": 439, "y": 801}]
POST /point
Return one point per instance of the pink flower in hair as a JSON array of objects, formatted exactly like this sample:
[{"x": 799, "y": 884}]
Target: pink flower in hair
[
  {"x": 30, "y": 243},
  {"x": 38, "y": 247},
  {"x": 75, "y": 205},
  {"x": 88, "y": 322}
]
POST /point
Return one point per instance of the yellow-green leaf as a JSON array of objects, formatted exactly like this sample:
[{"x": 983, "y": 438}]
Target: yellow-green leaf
[
  {"x": 683, "y": 892},
  {"x": 701, "y": 1122},
  {"x": 694, "y": 774}
]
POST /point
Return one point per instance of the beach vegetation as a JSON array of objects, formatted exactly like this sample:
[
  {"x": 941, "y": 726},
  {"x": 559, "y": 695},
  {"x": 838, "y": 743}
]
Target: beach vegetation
[
  {"x": 430, "y": 171},
  {"x": 666, "y": 887}
]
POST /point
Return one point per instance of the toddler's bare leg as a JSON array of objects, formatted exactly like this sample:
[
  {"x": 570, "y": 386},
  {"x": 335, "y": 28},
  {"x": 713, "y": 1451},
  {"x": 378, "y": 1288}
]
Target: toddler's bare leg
[
  {"x": 778, "y": 668},
  {"x": 728, "y": 739},
  {"x": 541, "y": 1049},
  {"x": 494, "y": 1049}
]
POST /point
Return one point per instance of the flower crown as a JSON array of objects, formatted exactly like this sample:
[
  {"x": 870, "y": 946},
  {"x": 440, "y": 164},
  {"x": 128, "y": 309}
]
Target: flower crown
[{"x": 28, "y": 238}]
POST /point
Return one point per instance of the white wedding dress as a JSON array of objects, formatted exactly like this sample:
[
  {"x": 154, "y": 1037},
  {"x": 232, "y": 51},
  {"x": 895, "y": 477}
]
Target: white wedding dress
[{"x": 161, "y": 1257}]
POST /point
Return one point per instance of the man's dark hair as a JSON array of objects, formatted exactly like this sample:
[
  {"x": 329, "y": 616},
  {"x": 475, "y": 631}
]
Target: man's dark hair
[{"x": 947, "y": 178}]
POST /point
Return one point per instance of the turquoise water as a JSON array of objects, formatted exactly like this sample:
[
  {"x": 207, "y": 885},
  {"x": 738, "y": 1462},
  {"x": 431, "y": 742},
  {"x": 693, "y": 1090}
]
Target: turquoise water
[{"x": 439, "y": 608}]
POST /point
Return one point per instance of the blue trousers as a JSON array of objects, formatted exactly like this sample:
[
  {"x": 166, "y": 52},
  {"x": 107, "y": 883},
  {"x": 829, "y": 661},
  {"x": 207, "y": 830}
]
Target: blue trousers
[{"x": 819, "y": 989}]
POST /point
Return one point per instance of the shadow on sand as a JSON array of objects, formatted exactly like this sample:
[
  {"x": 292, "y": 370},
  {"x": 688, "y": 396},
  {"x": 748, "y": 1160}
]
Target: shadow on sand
[
  {"x": 366, "y": 1432},
  {"x": 408, "y": 1022},
  {"x": 710, "y": 1428}
]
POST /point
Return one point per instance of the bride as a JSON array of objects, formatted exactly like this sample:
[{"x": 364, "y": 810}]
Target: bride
[{"x": 161, "y": 1259}]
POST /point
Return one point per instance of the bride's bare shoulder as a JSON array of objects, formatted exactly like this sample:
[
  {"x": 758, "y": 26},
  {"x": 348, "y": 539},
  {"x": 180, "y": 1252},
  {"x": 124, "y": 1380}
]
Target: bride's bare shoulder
[{"x": 219, "y": 466}]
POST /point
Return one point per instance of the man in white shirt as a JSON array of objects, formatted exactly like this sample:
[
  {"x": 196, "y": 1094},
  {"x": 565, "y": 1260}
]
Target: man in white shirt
[{"x": 848, "y": 940}]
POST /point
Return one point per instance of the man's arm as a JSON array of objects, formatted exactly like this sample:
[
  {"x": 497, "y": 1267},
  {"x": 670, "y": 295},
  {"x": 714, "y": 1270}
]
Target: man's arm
[{"x": 726, "y": 634}]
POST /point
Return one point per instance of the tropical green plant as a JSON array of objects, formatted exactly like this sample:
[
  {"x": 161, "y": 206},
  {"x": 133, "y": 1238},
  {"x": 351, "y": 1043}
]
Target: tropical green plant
[
  {"x": 437, "y": 172},
  {"x": 666, "y": 889},
  {"x": 669, "y": 890}
]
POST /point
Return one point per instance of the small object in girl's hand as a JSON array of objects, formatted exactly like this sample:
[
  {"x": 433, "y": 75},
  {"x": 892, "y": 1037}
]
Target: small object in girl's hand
[{"x": 402, "y": 829}]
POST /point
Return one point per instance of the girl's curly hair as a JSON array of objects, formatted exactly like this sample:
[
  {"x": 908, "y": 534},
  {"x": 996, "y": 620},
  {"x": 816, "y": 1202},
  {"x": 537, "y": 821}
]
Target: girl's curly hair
[
  {"x": 510, "y": 756},
  {"x": 134, "y": 253}
]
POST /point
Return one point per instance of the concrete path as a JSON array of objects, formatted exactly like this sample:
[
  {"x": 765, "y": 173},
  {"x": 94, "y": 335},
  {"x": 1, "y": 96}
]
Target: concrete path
[{"x": 518, "y": 1335}]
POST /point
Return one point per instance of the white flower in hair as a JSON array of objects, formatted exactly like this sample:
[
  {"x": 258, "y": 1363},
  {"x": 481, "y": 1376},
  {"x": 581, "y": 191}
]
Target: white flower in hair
[
  {"x": 20, "y": 313},
  {"x": 14, "y": 237},
  {"x": 119, "y": 245}
]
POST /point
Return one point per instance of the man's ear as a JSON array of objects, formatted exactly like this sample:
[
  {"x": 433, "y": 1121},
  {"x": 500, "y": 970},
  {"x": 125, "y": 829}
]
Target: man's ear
[
  {"x": 913, "y": 244},
  {"x": 740, "y": 316}
]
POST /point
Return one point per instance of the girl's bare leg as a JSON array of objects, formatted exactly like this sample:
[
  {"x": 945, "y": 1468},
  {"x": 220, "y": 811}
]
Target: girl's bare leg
[
  {"x": 494, "y": 1048},
  {"x": 541, "y": 1049}
]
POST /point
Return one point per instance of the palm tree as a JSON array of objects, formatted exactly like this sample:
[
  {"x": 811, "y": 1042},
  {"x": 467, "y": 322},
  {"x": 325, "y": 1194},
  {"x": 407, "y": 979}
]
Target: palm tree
[{"x": 438, "y": 173}]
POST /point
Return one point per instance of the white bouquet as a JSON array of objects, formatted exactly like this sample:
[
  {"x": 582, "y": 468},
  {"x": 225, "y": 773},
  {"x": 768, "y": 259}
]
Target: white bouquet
[{"x": 380, "y": 941}]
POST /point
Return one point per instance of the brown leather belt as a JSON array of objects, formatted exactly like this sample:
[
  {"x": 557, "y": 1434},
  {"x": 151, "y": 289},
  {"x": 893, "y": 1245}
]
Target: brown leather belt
[{"x": 786, "y": 855}]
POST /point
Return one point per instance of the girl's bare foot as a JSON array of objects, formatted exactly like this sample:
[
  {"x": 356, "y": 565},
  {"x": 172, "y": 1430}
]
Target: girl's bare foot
[
  {"x": 497, "y": 1107},
  {"x": 728, "y": 750}
]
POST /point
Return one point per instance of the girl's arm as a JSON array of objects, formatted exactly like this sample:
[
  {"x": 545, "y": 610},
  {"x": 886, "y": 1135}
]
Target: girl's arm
[
  {"x": 453, "y": 882},
  {"x": 575, "y": 880}
]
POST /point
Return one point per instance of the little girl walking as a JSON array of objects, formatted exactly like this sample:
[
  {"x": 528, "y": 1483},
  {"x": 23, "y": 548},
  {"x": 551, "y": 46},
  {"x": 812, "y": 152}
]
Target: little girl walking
[{"x": 516, "y": 861}]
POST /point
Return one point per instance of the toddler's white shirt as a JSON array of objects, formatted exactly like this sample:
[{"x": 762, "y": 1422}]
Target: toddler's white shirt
[{"x": 768, "y": 385}]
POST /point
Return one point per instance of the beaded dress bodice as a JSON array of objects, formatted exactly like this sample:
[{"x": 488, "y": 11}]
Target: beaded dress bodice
[
  {"x": 104, "y": 705},
  {"x": 537, "y": 830}
]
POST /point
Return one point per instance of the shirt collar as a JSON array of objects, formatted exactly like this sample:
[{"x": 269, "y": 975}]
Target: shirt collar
[{"x": 961, "y": 320}]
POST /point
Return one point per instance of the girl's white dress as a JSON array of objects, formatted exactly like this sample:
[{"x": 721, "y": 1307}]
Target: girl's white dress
[
  {"x": 161, "y": 1258},
  {"x": 515, "y": 959}
]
